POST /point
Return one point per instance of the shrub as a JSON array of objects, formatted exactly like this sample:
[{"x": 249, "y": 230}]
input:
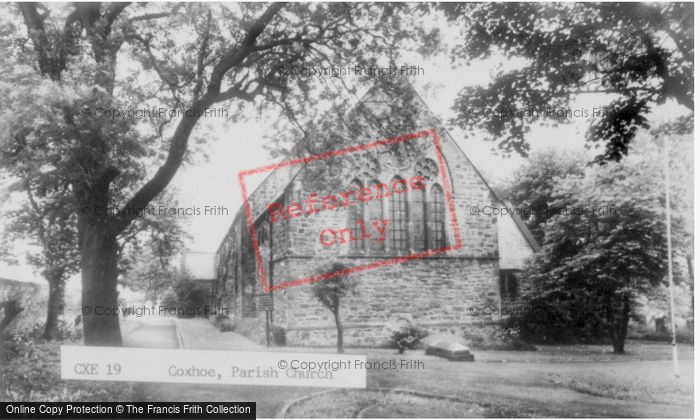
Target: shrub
[
  {"x": 279, "y": 335},
  {"x": 506, "y": 338},
  {"x": 685, "y": 336},
  {"x": 408, "y": 337},
  {"x": 30, "y": 369},
  {"x": 561, "y": 319},
  {"x": 474, "y": 340},
  {"x": 186, "y": 297},
  {"x": 223, "y": 323},
  {"x": 169, "y": 299}
]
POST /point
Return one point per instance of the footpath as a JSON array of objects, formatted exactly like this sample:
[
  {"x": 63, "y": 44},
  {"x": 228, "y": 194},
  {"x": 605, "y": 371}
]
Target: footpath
[{"x": 200, "y": 334}]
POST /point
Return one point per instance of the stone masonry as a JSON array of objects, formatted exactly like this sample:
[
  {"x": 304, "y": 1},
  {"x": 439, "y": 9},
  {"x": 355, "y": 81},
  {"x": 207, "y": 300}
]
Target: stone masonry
[{"x": 434, "y": 292}]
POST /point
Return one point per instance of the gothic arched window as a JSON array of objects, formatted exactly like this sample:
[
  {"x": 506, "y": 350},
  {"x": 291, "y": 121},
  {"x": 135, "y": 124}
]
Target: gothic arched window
[
  {"x": 436, "y": 218},
  {"x": 398, "y": 212},
  {"x": 375, "y": 211},
  {"x": 355, "y": 217},
  {"x": 418, "y": 225}
]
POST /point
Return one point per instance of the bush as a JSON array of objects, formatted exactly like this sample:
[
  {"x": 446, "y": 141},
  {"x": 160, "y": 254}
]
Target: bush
[
  {"x": 186, "y": 297},
  {"x": 30, "y": 370},
  {"x": 169, "y": 299},
  {"x": 474, "y": 340},
  {"x": 279, "y": 335},
  {"x": 684, "y": 336},
  {"x": 408, "y": 337},
  {"x": 561, "y": 320},
  {"x": 506, "y": 338},
  {"x": 223, "y": 323}
]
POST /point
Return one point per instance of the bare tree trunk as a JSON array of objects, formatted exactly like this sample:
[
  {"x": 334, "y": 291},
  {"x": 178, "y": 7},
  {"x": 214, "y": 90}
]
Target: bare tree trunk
[
  {"x": 98, "y": 264},
  {"x": 619, "y": 327},
  {"x": 55, "y": 305},
  {"x": 339, "y": 327}
]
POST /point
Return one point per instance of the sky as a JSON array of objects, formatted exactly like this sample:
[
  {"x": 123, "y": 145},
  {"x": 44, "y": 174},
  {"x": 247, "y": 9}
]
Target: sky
[{"x": 233, "y": 147}]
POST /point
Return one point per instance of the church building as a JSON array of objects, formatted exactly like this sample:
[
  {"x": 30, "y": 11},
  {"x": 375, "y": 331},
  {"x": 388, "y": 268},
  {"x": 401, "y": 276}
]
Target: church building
[{"x": 412, "y": 218}]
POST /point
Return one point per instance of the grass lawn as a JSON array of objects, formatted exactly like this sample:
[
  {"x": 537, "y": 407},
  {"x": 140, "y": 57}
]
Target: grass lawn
[
  {"x": 555, "y": 381},
  {"x": 361, "y": 403},
  {"x": 645, "y": 383},
  {"x": 570, "y": 381}
]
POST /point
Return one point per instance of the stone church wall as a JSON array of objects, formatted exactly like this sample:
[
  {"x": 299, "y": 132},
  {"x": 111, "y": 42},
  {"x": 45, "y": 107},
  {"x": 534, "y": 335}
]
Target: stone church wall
[{"x": 435, "y": 292}]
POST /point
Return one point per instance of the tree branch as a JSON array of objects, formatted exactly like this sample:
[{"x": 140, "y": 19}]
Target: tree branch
[
  {"x": 37, "y": 33},
  {"x": 151, "y": 16},
  {"x": 178, "y": 143},
  {"x": 112, "y": 12},
  {"x": 247, "y": 46}
]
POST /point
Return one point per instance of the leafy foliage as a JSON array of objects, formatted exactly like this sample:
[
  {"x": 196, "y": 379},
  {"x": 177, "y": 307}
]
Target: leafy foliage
[
  {"x": 223, "y": 323},
  {"x": 532, "y": 186},
  {"x": 186, "y": 297},
  {"x": 686, "y": 336},
  {"x": 408, "y": 337},
  {"x": 30, "y": 368},
  {"x": 279, "y": 335},
  {"x": 331, "y": 292},
  {"x": 147, "y": 258},
  {"x": 562, "y": 318},
  {"x": 640, "y": 54},
  {"x": 599, "y": 255},
  {"x": 64, "y": 65}
]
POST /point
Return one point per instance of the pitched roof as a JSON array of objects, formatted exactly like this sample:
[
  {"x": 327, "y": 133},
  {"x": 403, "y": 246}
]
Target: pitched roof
[{"x": 278, "y": 179}]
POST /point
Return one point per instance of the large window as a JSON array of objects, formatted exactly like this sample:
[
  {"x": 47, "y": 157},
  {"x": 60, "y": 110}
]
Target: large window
[
  {"x": 398, "y": 215},
  {"x": 375, "y": 212},
  {"x": 355, "y": 217},
  {"x": 436, "y": 218},
  {"x": 415, "y": 216},
  {"x": 418, "y": 224}
]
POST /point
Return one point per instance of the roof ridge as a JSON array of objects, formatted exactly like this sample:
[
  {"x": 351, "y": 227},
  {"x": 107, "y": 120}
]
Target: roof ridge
[{"x": 431, "y": 116}]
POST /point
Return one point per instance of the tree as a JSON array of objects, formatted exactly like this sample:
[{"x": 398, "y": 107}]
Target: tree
[
  {"x": 47, "y": 216},
  {"x": 531, "y": 188},
  {"x": 147, "y": 262},
  {"x": 331, "y": 292},
  {"x": 640, "y": 54},
  {"x": 605, "y": 248},
  {"x": 68, "y": 64},
  {"x": 150, "y": 273},
  {"x": 11, "y": 307}
]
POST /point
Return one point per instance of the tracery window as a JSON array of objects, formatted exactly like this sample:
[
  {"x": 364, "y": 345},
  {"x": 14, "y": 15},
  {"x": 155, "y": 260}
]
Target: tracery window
[
  {"x": 436, "y": 218},
  {"x": 418, "y": 222},
  {"x": 398, "y": 217},
  {"x": 375, "y": 211},
  {"x": 355, "y": 215}
]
